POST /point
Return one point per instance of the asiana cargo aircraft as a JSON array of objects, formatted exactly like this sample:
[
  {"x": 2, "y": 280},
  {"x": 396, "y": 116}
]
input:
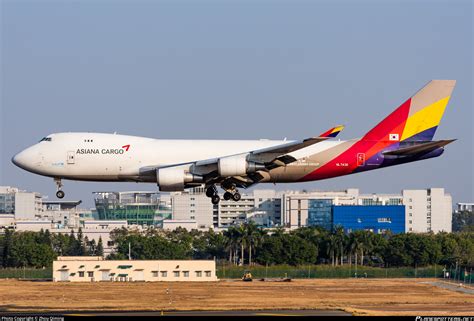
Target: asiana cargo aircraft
[{"x": 406, "y": 135}]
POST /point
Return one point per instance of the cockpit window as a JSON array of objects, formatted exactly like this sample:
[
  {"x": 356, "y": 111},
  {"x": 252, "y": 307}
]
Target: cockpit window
[{"x": 46, "y": 139}]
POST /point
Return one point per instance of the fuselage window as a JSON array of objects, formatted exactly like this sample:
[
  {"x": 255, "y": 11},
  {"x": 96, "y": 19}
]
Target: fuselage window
[{"x": 46, "y": 139}]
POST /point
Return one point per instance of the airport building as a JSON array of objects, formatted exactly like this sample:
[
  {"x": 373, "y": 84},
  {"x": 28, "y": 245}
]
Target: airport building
[
  {"x": 464, "y": 207},
  {"x": 136, "y": 207},
  {"x": 96, "y": 269},
  {"x": 93, "y": 230},
  {"x": 261, "y": 206},
  {"x": 65, "y": 214},
  {"x": 191, "y": 208},
  {"x": 21, "y": 204},
  {"x": 378, "y": 219},
  {"x": 424, "y": 210}
]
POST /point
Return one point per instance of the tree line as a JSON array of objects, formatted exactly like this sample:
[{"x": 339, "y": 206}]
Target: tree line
[
  {"x": 40, "y": 249},
  {"x": 249, "y": 245},
  {"x": 463, "y": 221}
]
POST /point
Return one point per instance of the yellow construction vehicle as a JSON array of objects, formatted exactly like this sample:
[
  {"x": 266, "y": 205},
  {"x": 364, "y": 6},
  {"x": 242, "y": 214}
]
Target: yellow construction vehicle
[{"x": 247, "y": 277}]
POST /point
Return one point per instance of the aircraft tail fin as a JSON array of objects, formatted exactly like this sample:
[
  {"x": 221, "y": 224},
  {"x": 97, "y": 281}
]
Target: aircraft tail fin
[
  {"x": 333, "y": 132},
  {"x": 417, "y": 118}
]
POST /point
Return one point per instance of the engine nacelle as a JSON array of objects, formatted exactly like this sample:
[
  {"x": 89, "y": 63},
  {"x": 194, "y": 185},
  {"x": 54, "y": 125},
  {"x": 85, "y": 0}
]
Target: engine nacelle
[
  {"x": 174, "y": 179},
  {"x": 237, "y": 165}
]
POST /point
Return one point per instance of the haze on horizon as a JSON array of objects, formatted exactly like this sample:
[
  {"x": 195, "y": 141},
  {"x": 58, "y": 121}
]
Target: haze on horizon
[{"x": 234, "y": 70}]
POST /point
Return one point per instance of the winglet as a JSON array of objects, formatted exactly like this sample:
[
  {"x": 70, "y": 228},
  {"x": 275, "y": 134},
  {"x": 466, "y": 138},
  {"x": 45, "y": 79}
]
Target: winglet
[{"x": 333, "y": 132}]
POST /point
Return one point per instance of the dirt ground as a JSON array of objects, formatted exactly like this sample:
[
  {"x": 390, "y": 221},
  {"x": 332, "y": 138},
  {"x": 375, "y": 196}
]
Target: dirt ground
[{"x": 357, "y": 296}]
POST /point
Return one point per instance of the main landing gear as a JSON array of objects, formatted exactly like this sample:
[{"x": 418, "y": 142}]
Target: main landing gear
[
  {"x": 231, "y": 193},
  {"x": 211, "y": 192},
  {"x": 59, "y": 184}
]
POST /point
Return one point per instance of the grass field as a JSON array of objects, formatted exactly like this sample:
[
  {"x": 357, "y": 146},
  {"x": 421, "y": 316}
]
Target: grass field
[{"x": 358, "y": 296}]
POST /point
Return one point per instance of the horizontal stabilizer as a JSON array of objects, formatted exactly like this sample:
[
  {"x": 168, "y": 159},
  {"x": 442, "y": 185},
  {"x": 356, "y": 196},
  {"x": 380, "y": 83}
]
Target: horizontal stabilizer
[{"x": 421, "y": 148}]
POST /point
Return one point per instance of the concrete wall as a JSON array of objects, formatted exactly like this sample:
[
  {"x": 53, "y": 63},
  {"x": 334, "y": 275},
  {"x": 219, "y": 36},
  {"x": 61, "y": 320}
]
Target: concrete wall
[{"x": 94, "y": 269}]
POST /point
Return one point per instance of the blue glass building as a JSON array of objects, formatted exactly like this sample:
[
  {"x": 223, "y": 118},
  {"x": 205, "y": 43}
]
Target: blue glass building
[
  {"x": 320, "y": 213},
  {"x": 375, "y": 218}
]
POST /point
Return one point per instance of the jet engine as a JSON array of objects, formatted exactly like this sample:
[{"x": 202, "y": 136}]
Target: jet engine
[
  {"x": 174, "y": 179},
  {"x": 237, "y": 165}
]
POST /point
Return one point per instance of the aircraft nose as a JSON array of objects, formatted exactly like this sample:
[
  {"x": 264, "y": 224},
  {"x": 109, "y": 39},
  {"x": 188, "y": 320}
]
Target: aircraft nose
[
  {"x": 26, "y": 159},
  {"x": 19, "y": 159}
]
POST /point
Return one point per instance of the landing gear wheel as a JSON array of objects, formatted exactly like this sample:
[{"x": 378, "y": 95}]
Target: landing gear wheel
[
  {"x": 60, "y": 194},
  {"x": 236, "y": 196},
  {"x": 215, "y": 199},
  {"x": 211, "y": 191},
  {"x": 227, "y": 196}
]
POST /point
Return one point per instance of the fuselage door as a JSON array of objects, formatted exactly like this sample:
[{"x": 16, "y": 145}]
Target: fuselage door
[
  {"x": 360, "y": 159},
  {"x": 71, "y": 157}
]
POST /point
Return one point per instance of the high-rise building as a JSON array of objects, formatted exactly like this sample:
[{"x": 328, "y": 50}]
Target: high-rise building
[
  {"x": 425, "y": 210},
  {"x": 192, "y": 206},
  {"x": 261, "y": 206},
  {"x": 24, "y": 205},
  {"x": 428, "y": 210},
  {"x": 313, "y": 208}
]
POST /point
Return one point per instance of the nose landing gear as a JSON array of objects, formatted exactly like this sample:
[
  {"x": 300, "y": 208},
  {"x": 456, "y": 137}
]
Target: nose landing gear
[{"x": 59, "y": 184}]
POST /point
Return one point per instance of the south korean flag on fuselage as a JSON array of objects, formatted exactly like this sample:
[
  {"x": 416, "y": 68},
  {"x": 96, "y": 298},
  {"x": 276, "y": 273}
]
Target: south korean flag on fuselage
[{"x": 393, "y": 137}]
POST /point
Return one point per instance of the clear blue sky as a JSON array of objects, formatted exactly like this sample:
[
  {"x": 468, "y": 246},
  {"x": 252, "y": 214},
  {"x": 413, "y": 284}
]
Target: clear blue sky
[{"x": 233, "y": 70}]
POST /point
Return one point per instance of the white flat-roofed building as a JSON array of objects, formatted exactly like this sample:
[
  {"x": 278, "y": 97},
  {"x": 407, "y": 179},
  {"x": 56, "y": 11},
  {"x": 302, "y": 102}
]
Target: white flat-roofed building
[
  {"x": 298, "y": 206},
  {"x": 428, "y": 210},
  {"x": 93, "y": 230},
  {"x": 261, "y": 206},
  {"x": 23, "y": 204},
  {"x": 192, "y": 205},
  {"x": 464, "y": 207},
  {"x": 66, "y": 214},
  {"x": 7, "y": 221},
  {"x": 36, "y": 225},
  {"x": 174, "y": 224},
  {"x": 95, "y": 269}
]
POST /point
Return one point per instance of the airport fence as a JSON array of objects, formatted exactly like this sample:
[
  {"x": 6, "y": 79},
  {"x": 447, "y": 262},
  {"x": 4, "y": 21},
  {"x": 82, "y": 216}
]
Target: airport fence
[
  {"x": 328, "y": 271},
  {"x": 459, "y": 275},
  {"x": 26, "y": 273}
]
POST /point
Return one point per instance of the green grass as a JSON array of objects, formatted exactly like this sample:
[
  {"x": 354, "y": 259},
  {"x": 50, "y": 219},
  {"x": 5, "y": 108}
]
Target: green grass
[
  {"x": 26, "y": 273},
  {"x": 327, "y": 271}
]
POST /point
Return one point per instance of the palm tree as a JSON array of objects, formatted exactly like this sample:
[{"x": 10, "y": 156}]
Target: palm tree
[
  {"x": 242, "y": 240},
  {"x": 340, "y": 240},
  {"x": 364, "y": 243},
  {"x": 251, "y": 235},
  {"x": 260, "y": 236},
  {"x": 354, "y": 245},
  {"x": 232, "y": 243},
  {"x": 331, "y": 247}
]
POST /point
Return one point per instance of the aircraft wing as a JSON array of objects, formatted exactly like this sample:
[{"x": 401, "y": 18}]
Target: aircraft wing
[
  {"x": 278, "y": 154},
  {"x": 270, "y": 157},
  {"x": 421, "y": 148},
  {"x": 263, "y": 160}
]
